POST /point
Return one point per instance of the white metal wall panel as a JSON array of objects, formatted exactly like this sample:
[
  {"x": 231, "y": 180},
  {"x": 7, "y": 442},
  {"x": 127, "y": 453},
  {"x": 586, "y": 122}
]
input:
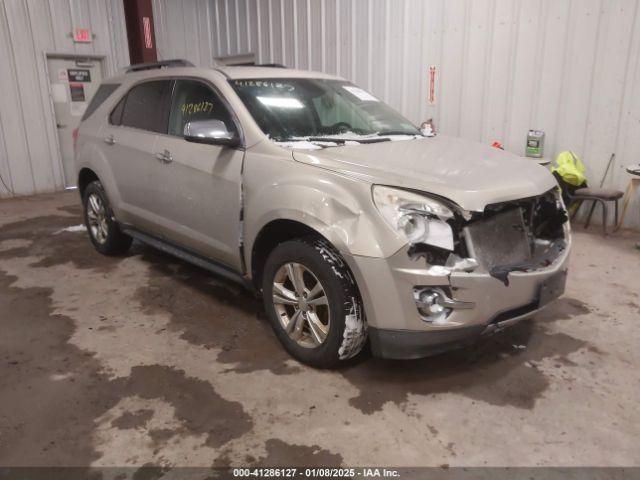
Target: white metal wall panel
[
  {"x": 317, "y": 45},
  {"x": 29, "y": 93},
  {"x": 567, "y": 67},
  {"x": 42, "y": 25},
  {"x": 570, "y": 68},
  {"x": 29, "y": 154},
  {"x": 627, "y": 143},
  {"x": 15, "y": 174},
  {"x": 476, "y": 66},
  {"x": 253, "y": 33},
  {"x": 452, "y": 64}
]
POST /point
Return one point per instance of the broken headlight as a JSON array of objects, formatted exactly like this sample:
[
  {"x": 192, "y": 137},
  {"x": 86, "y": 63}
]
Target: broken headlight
[{"x": 417, "y": 218}]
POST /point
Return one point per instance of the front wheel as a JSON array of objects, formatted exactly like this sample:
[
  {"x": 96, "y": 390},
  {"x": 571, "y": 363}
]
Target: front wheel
[{"x": 313, "y": 303}]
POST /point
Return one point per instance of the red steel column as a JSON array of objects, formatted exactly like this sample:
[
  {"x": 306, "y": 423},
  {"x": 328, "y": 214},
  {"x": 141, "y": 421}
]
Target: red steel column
[{"x": 142, "y": 41}]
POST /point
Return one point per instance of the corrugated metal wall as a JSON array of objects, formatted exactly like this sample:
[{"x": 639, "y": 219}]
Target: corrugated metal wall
[
  {"x": 570, "y": 68},
  {"x": 29, "y": 154}
]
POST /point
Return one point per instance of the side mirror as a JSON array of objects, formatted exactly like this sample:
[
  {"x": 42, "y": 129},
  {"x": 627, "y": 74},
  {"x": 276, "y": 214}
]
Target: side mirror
[{"x": 212, "y": 132}]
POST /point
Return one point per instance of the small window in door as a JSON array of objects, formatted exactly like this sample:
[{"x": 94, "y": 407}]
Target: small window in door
[
  {"x": 146, "y": 106},
  {"x": 116, "y": 114},
  {"x": 192, "y": 101},
  {"x": 104, "y": 92}
]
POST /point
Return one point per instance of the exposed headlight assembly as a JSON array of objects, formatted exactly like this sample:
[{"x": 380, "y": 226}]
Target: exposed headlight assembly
[{"x": 417, "y": 218}]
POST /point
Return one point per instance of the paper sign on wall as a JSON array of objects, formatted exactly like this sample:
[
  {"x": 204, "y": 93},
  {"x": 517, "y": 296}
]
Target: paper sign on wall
[
  {"x": 79, "y": 75},
  {"x": 62, "y": 75},
  {"x": 59, "y": 92},
  {"x": 77, "y": 92}
]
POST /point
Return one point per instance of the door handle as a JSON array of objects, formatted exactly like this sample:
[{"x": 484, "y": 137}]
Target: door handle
[
  {"x": 60, "y": 125},
  {"x": 164, "y": 156},
  {"x": 109, "y": 140}
]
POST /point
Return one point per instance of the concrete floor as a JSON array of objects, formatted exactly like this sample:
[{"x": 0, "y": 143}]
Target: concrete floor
[{"x": 145, "y": 359}]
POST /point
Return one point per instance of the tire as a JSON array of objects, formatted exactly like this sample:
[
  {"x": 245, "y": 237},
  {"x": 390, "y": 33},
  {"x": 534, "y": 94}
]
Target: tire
[
  {"x": 103, "y": 230},
  {"x": 342, "y": 316}
]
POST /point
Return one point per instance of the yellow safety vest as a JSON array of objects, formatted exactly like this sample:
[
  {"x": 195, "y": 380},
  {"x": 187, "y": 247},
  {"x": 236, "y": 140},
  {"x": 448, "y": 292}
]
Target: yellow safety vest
[{"x": 570, "y": 168}]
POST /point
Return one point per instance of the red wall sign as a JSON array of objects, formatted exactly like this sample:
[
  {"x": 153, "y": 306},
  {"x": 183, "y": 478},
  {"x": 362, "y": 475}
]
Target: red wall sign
[
  {"x": 431, "y": 97},
  {"x": 82, "y": 35},
  {"x": 146, "y": 23}
]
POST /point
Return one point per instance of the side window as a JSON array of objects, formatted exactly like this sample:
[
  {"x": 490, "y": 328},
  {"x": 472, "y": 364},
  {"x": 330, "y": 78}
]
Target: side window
[
  {"x": 146, "y": 106},
  {"x": 116, "y": 115},
  {"x": 193, "y": 100}
]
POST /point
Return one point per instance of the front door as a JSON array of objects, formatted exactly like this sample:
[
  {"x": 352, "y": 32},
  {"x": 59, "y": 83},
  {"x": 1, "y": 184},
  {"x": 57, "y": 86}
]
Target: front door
[
  {"x": 73, "y": 83},
  {"x": 198, "y": 186}
]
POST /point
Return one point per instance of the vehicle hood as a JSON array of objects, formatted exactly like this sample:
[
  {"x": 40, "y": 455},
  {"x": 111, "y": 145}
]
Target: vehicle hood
[{"x": 470, "y": 174}]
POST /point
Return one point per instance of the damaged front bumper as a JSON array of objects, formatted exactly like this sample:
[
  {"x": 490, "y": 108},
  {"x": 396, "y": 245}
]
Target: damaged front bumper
[{"x": 476, "y": 302}]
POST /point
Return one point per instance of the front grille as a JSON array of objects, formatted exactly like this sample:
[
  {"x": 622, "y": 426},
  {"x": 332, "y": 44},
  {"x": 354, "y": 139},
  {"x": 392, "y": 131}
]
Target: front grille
[
  {"x": 501, "y": 239},
  {"x": 523, "y": 233}
]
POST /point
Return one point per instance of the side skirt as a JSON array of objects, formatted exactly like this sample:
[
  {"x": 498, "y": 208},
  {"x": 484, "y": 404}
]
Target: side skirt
[{"x": 212, "y": 266}]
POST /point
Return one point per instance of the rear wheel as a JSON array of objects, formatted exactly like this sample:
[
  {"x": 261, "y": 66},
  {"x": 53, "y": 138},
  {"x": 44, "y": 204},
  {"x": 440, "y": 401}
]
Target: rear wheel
[
  {"x": 313, "y": 303},
  {"x": 104, "y": 232}
]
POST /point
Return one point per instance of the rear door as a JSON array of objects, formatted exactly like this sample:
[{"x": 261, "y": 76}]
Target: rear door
[
  {"x": 198, "y": 188},
  {"x": 130, "y": 139}
]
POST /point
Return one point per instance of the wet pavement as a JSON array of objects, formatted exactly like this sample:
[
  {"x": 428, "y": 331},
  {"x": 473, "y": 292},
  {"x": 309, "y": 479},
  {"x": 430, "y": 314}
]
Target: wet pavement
[{"x": 146, "y": 360}]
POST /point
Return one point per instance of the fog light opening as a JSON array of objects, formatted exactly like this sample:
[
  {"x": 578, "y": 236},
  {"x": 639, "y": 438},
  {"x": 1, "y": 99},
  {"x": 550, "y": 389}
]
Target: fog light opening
[{"x": 430, "y": 303}]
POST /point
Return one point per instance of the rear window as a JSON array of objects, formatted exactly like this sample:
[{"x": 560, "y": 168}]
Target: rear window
[
  {"x": 147, "y": 106},
  {"x": 104, "y": 91}
]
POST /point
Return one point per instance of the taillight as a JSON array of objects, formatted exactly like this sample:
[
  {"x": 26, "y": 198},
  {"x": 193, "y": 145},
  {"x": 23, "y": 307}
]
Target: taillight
[{"x": 74, "y": 135}]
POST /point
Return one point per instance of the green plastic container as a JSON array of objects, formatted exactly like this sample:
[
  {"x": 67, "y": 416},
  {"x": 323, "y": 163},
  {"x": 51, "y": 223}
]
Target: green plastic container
[{"x": 535, "y": 143}]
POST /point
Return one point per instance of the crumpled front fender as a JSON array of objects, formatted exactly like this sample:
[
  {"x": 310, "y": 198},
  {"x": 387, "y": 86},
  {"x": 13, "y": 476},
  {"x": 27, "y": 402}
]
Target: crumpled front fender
[{"x": 338, "y": 207}]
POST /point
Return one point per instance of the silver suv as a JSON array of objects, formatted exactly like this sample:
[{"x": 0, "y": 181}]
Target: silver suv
[{"x": 352, "y": 223}]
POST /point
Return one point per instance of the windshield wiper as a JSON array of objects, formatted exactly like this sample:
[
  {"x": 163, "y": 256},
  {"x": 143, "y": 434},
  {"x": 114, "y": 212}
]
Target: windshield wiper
[
  {"x": 342, "y": 141},
  {"x": 396, "y": 132}
]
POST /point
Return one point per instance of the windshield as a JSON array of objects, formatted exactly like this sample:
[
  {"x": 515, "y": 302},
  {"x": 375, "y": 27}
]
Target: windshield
[{"x": 310, "y": 109}]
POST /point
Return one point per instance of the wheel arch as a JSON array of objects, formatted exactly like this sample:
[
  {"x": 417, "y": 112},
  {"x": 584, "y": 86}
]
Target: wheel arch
[
  {"x": 85, "y": 177},
  {"x": 273, "y": 233}
]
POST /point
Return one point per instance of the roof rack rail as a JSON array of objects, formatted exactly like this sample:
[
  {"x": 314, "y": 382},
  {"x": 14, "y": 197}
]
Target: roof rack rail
[
  {"x": 176, "y": 62},
  {"x": 272, "y": 65}
]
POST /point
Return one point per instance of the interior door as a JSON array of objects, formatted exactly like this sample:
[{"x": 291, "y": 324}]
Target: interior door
[
  {"x": 73, "y": 83},
  {"x": 199, "y": 185},
  {"x": 129, "y": 144}
]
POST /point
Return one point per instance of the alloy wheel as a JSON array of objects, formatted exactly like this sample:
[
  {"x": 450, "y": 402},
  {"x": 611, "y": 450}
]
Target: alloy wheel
[
  {"x": 97, "y": 216},
  {"x": 301, "y": 304}
]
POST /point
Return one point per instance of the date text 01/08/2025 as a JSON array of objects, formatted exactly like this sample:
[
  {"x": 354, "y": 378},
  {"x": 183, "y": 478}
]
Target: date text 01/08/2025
[{"x": 315, "y": 472}]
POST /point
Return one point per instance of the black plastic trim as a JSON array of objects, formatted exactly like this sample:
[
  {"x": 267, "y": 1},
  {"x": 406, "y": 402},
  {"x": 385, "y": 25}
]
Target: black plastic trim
[
  {"x": 412, "y": 344},
  {"x": 188, "y": 256},
  {"x": 176, "y": 62}
]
